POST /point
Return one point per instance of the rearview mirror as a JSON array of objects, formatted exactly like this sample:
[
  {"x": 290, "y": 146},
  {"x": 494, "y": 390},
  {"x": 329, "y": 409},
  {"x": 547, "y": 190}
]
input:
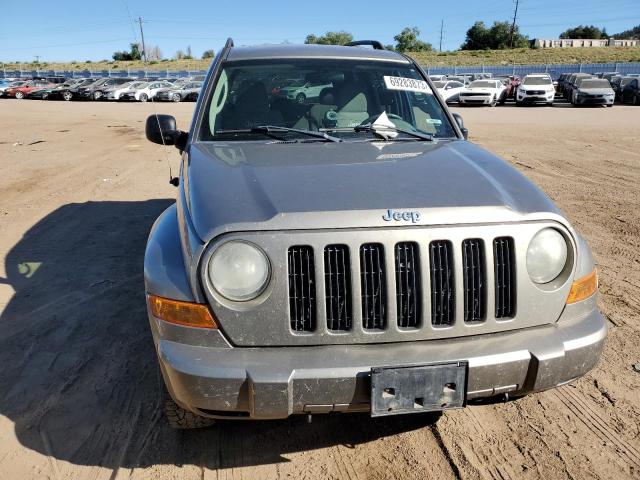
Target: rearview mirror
[
  {"x": 162, "y": 129},
  {"x": 460, "y": 122}
]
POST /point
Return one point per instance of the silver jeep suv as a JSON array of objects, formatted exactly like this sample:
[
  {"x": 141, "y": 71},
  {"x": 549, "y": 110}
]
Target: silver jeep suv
[{"x": 353, "y": 252}]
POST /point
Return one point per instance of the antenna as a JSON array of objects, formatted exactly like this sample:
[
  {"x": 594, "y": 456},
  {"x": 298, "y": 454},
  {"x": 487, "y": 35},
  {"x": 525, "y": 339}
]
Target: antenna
[
  {"x": 441, "y": 28},
  {"x": 513, "y": 25}
]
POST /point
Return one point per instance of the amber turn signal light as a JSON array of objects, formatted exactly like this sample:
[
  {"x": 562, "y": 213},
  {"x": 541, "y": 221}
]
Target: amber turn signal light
[
  {"x": 583, "y": 288},
  {"x": 181, "y": 313}
]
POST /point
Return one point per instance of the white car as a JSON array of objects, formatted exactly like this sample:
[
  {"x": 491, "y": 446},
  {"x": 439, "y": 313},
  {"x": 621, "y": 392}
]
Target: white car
[
  {"x": 148, "y": 90},
  {"x": 483, "y": 92},
  {"x": 536, "y": 88},
  {"x": 301, "y": 91},
  {"x": 438, "y": 78},
  {"x": 449, "y": 90},
  {"x": 118, "y": 91}
]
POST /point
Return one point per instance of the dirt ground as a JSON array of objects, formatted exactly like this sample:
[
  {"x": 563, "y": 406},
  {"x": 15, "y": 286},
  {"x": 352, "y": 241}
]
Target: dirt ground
[{"x": 79, "y": 386}]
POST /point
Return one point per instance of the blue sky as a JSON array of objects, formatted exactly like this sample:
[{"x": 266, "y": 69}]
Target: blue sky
[{"x": 94, "y": 29}]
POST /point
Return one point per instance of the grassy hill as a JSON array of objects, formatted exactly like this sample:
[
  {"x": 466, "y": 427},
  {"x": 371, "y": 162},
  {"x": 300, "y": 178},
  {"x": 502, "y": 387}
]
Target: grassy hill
[{"x": 524, "y": 56}]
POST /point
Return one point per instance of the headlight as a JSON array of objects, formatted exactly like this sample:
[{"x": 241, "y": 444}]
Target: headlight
[
  {"x": 239, "y": 271},
  {"x": 546, "y": 255}
]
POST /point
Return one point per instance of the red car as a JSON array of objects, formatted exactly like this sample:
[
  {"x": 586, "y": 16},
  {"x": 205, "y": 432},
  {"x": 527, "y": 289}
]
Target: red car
[
  {"x": 512, "y": 82},
  {"x": 21, "y": 91}
]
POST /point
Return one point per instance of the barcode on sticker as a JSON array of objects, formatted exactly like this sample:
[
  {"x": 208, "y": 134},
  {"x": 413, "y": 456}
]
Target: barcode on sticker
[{"x": 406, "y": 84}]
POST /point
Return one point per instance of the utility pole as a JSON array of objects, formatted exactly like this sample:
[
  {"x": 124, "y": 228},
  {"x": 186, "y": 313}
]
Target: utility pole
[
  {"x": 441, "y": 28},
  {"x": 37, "y": 57},
  {"x": 144, "y": 48},
  {"x": 513, "y": 25}
]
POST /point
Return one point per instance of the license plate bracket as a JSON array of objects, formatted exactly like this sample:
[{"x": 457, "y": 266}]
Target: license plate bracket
[{"x": 416, "y": 389}]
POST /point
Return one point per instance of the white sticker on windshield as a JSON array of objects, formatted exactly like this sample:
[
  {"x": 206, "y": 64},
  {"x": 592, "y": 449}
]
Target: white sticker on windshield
[{"x": 406, "y": 84}]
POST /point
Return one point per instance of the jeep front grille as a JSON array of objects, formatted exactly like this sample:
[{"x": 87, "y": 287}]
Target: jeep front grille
[
  {"x": 302, "y": 289},
  {"x": 473, "y": 268},
  {"x": 408, "y": 291},
  {"x": 442, "y": 293},
  {"x": 505, "y": 278},
  {"x": 337, "y": 280},
  {"x": 373, "y": 286}
]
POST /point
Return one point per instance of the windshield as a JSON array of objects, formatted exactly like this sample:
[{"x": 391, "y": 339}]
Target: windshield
[
  {"x": 335, "y": 95},
  {"x": 595, "y": 84},
  {"x": 482, "y": 84},
  {"x": 537, "y": 81}
]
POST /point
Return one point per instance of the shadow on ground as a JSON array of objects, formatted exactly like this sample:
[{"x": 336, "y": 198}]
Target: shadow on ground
[{"x": 79, "y": 377}]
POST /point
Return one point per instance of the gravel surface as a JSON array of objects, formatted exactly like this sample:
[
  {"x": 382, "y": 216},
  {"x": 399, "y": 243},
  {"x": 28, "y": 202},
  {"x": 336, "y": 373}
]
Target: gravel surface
[{"x": 79, "y": 384}]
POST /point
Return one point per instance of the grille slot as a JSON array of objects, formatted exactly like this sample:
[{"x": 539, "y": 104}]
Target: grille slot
[
  {"x": 473, "y": 269},
  {"x": 505, "y": 278},
  {"x": 442, "y": 293},
  {"x": 302, "y": 289},
  {"x": 373, "y": 284},
  {"x": 408, "y": 284},
  {"x": 337, "y": 279}
]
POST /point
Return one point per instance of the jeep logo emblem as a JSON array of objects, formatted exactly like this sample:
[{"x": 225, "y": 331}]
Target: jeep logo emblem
[{"x": 391, "y": 215}]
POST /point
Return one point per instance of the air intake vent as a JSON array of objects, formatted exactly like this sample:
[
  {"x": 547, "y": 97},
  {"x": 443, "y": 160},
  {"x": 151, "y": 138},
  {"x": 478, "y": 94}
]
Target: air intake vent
[
  {"x": 408, "y": 284},
  {"x": 302, "y": 289},
  {"x": 337, "y": 280},
  {"x": 373, "y": 283},
  {"x": 441, "y": 270},
  {"x": 473, "y": 269},
  {"x": 505, "y": 277}
]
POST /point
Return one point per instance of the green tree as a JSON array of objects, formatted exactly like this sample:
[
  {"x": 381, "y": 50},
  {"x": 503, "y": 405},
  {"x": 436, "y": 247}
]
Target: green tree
[
  {"x": 497, "y": 37},
  {"x": 330, "y": 38},
  {"x": 585, "y": 31},
  {"x": 208, "y": 54},
  {"x": 407, "y": 41},
  {"x": 631, "y": 33},
  {"x": 133, "y": 54}
]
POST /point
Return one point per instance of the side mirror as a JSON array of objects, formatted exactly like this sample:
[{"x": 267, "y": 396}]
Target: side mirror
[
  {"x": 460, "y": 122},
  {"x": 162, "y": 129}
]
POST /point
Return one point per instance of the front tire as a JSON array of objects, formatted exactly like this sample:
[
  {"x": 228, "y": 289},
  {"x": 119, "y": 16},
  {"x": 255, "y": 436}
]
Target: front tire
[
  {"x": 301, "y": 98},
  {"x": 182, "y": 419},
  {"x": 45, "y": 96},
  {"x": 176, "y": 97},
  {"x": 19, "y": 95},
  {"x": 96, "y": 95},
  {"x": 143, "y": 97},
  {"x": 66, "y": 96},
  {"x": 494, "y": 101}
]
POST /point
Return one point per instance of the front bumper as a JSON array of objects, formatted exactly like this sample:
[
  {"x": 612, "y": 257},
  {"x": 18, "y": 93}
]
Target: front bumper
[
  {"x": 536, "y": 98},
  {"x": 475, "y": 99},
  {"x": 206, "y": 375},
  {"x": 582, "y": 100}
]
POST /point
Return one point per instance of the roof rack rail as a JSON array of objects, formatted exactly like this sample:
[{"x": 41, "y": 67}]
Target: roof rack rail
[
  {"x": 229, "y": 43},
  {"x": 372, "y": 43}
]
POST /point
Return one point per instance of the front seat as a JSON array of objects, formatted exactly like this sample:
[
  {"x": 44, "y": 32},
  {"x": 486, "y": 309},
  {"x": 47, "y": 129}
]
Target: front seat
[
  {"x": 251, "y": 109},
  {"x": 314, "y": 119},
  {"x": 352, "y": 105}
]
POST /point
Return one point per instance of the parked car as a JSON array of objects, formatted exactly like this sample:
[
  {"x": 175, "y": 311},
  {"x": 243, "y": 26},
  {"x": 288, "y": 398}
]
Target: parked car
[
  {"x": 609, "y": 75},
  {"x": 570, "y": 83},
  {"x": 67, "y": 93},
  {"x": 560, "y": 84},
  {"x": 483, "y": 92},
  {"x": 187, "y": 92},
  {"x": 512, "y": 82},
  {"x": 117, "y": 91},
  {"x": 303, "y": 90},
  {"x": 450, "y": 90},
  {"x": 45, "y": 92},
  {"x": 438, "y": 78},
  {"x": 592, "y": 91},
  {"x": 458, "y": 78},
  {"x": 536, "y": 88},
  {"x": 11, "y": 84},
  {"x": 21, "y": 91},
  {"x": 96, "y": 90},
  {"x": 631, "y": 93},
  {"x": 147, "y": 91},
  {"x": 293, "y": 275},
  {"x": 617, "y": 84}
]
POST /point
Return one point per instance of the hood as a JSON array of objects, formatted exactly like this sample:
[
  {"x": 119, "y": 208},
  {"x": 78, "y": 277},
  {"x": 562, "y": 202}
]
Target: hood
[
  {"x": 480, "y": 89},
  {"x": 278, "y": 186},
  {"x": 597, "y": 91}
]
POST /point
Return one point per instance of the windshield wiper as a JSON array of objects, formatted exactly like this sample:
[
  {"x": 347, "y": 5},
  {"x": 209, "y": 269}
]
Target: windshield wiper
[
  {"x": 379, "y": 129},
  {"x": 269, "y": 130}
]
